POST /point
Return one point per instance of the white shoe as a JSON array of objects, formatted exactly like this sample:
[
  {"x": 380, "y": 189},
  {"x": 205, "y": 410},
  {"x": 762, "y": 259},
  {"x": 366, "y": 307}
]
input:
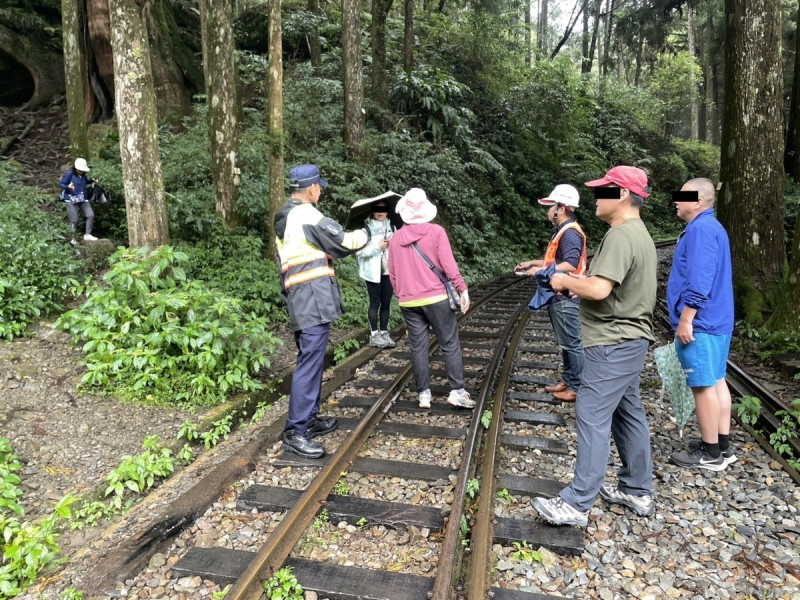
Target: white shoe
[
  {"x": 641, "y": 505},
  {"x": 461, "y": 399},
  {"x": 558, "y": 512},
  {"x": 89, "y": 238},
  {"x": 425, "y": 399},
  {"x": 390, "y": 343}
]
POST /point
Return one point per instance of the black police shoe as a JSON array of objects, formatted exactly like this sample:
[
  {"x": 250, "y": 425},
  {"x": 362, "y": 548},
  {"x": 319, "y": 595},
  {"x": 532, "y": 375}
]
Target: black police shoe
[
  {"x": 321, "y": 426},
  {"x": 302, "y": 445}
]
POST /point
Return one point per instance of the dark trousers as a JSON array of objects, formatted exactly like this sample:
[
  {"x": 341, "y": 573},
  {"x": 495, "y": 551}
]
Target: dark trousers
[
  {"x": 306, "y": 389},
  {"x": 380, "y": 297},
  {"x": 441, "y": 318},
  {"x": 72, "y": 215}
]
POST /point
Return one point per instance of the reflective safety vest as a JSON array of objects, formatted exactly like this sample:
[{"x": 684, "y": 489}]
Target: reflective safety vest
[
  {"x": 301, "y": 260},
  {"x": 552, "y": 247}
]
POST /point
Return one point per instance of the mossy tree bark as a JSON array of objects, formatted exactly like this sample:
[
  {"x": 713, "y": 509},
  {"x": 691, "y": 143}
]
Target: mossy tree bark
[
  {"x": 751, "y": 201},
  {"x": 380, "y": 82},
  {"x": 408, "y": 36},
  {"x": 71, "y": 18},
  {"x": 275, "y": 109},
  {"x": 314, "y": 45},
  {"x": 223, "y": 103},
  {"x": 138, "y": 131},
  {"x": 353, "y": 75}
]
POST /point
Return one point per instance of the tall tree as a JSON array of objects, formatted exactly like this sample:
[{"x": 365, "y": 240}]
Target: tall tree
[
  {"x": 71, "y": 11},
  {"x": 314, "y": 45},
  {"x": 541, "y": 40},
  {"x": 408, "y": 36},
  {"x": 751, "y": 202},
  {"x": 586, "y": 66},
  {"x": 275, "y": 108},
  {"x": 223, "y": 102},
  {"x": 353, "y": 75},
  {"x": 380, "y": 82},
  {"x": 791, "y": 160},
  {"x": 138, "y": 130},
  {"x": 693, "y": 83}
]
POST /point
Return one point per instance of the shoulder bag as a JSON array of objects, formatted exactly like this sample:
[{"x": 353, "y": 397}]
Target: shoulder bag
[{"x": 452, "y": 294}]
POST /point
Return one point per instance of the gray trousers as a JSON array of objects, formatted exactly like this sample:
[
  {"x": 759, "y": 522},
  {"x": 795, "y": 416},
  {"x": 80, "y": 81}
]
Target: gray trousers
[
  {"x": 441, "y": 318},
  {"x": 72, "y": 215},
  {"x": 609, "y": 402}
]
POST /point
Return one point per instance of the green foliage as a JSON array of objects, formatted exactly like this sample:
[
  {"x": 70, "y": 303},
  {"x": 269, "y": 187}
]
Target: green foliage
[
  {"x": 91, "y": 513},
  {"x": 748, "y": 409},
  {"x": 152, "y": 333},
  {"x": 27, "y": 548},
  {"x": 261, "y": 410},
  {"x": 321, "y": 520},
  {"x": 220, "y": 430},
  {"x": 504, "y": 496},
  {"x": 788, "y": 430},
  {"x": 344, "y": 349},
  {"x": 341, "y": 488},
  {"x": 675, "y": 81},
  {"x": 71, "y": 593},
  {"x": 283, "y": 586},
  {"x": 138, "y": 473},
  {"x": 486, "y": 419},
  {"x": 39, "y": 266},
  {"x": 473, "y": 486},
  {"x": 525, "y": 553}
]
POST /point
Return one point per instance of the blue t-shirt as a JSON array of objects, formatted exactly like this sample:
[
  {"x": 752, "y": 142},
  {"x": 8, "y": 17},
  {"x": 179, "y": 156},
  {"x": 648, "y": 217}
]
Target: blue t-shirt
[{"x": 701, "y": 276}]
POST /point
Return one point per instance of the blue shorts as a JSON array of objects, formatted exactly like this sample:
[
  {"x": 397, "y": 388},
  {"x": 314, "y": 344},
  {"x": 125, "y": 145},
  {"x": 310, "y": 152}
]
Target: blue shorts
[{"x": 704, "y": 360}]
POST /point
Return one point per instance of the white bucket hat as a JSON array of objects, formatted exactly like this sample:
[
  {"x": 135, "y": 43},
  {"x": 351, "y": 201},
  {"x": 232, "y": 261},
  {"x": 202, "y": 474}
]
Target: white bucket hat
[
  {"x": 415, "y": 207},
  {"x": 562, "y": 194},
  {"x": 81, "y": 165}
]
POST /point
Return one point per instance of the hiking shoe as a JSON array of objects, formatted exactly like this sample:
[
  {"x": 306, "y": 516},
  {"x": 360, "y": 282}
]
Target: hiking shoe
[
  {"x": 376, "y": 340},
  {"x": 697, "y": 456},
  {"x": 558, "y": 512},
  {"x": 641, "y": 505},
  {"x": 89, "y": 238},
  {"x": 425, "y": 399},
  {"x": 461, "y": 399},
  {"x": 390, "y": 343}
]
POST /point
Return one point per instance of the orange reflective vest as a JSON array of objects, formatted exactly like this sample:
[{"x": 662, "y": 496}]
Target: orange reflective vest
[{"x": 552, "y": 247}]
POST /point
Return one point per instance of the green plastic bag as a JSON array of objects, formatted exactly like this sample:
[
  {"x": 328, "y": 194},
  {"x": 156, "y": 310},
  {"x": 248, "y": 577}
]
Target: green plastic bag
[{"x": 673, "y": 381}]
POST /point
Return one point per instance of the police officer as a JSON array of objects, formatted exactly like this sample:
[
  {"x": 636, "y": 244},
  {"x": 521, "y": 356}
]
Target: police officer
[{"x": 307, "y": 242}]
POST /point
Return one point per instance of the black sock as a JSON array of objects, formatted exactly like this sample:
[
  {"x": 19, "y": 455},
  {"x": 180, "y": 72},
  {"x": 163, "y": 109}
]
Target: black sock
[
  {"x": 724, "y": 442},
  {"x": 712, "y": 449}
]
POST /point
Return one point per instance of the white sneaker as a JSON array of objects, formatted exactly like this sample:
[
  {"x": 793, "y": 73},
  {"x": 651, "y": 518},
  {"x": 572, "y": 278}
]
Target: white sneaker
[
  {"x": 641, "y": 505},
  {"x": 89, "y": 238},
  {"x": 558, "y": 512},
  {"x": 461, "y": 399},
  {"x": 390, "y": 343},
  {"x": 425, "y": 399}
]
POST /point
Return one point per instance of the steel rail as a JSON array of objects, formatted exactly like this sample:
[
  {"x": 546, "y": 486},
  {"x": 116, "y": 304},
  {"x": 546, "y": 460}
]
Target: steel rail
[
  {"x": 482, "y": 532},
  {"x": 450, "y": 554},
  {"x": 286, "y": 535}
]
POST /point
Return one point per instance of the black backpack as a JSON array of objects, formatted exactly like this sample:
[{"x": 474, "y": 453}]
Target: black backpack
[{"x": 98, "y": 195}]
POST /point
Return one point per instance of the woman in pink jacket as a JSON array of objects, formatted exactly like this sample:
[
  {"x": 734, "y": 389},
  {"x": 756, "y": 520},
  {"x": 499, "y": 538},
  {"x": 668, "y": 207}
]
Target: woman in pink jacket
[{"x": 422, "y": 296}]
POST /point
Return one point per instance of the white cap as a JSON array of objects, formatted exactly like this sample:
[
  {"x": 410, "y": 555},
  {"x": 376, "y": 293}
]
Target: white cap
[
  {"x": 562, "y": 194},
  {"x": 80, "y": 164}
]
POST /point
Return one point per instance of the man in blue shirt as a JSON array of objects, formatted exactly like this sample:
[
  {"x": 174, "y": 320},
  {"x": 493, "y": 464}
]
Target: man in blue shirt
[{"x": 700, "y": 302}]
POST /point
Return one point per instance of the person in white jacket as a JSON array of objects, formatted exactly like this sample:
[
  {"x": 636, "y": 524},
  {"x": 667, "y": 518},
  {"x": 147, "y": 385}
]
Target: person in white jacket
[{"x": 373, "y": 262}]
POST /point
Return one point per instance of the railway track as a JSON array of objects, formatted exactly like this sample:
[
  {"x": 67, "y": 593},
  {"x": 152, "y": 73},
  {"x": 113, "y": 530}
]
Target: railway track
[{"x": 464, "y": 475}]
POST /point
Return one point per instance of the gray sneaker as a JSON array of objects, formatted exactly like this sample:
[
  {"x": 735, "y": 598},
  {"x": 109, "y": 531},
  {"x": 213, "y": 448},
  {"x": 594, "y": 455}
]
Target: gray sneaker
[
  {"x": 696, "y": 456},
  {"x": 376, "y": 339},
  {"x": 641, "y": 505},
  {"x": 387, "y": 340},
  {"x": 461, "y": 399},
  {"x": 558, "y": 512}
]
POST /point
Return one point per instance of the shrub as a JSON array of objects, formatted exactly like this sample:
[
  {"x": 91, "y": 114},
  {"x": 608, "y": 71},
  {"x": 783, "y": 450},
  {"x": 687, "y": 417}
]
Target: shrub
[
  {"x": 39, "y": 266},
  {"x": 152, "y": 333}
]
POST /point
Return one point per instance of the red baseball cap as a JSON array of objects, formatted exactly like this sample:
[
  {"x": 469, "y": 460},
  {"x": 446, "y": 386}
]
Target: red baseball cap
[{"x": 630, "y": 178}]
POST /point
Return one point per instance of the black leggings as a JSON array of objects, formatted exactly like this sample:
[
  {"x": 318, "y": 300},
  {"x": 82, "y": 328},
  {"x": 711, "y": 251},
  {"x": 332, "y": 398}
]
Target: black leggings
[{"x": 380, "y": 295}]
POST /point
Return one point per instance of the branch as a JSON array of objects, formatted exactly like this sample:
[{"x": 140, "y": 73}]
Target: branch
[{"x": 570, "y": 27}]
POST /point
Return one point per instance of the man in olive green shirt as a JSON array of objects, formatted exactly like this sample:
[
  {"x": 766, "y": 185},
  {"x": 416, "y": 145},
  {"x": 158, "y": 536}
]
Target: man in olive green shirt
[{"x": 617, "y": 295}]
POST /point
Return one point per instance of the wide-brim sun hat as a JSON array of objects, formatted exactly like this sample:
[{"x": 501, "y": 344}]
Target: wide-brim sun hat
[
  {"x": 632, "y": 179},
  {"x": 563, "y": 194},
  {"x": 80, "y": 165},
  {"x": 415, "y": 207}
]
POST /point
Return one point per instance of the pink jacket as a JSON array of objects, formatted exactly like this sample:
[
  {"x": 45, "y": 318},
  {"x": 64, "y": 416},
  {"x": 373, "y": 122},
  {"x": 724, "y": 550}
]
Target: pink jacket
[{"x": 411, "y": 278}]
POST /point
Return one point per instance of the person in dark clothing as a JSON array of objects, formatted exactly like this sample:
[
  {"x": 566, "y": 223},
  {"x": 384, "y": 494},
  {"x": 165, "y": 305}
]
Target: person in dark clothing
[{"x": 74, "y": 194}]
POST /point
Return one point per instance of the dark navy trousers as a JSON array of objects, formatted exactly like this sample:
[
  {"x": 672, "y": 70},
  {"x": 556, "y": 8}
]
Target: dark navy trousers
[{"x": 306, "y": 390}]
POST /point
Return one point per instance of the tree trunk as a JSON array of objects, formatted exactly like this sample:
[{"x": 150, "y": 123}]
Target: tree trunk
[
  {"x": 138, "y": 129},
  {"x": 638, "y": 72},
  {"x": 408, "y": 36},
  {"x": 587, "y": 66},
  {"x": 787, "y": 310},
  {"x": 585, "y": 39},
  {"x": 45, "y": 67},
  {"x": 223, "y": 103},
  {"x": 352, "y": 67},
  {"x": 751, "y": 202},
  {"x": 528, "y": 36},
  {"x": 541, "y": 42},
  {"x": 314, "y": 45},
  {"x": 692, "y": 80},
  {"x": 380, "y": 82},
  {"x": 791, "y": 157},
  {"x": 71, "y": 16},
  {"x": 580, "y": 7},
  {"x": 605, "y": 62},
  {"x": 275, "y": 109},
  {"x": 702, "y": 109}
]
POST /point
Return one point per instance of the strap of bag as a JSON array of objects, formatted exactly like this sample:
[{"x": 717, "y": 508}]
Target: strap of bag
[{"x": 429, "y": 263}]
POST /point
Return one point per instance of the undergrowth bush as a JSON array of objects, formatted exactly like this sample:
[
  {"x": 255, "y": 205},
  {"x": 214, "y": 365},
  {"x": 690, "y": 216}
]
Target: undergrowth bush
[
  {"x": 152, "y": 334},
  {"x": 38, "y": 265}
]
